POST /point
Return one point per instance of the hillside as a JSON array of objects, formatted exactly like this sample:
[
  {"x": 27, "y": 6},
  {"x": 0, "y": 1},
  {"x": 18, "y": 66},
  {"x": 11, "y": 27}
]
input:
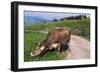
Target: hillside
[{"x": 78, "y": 27}]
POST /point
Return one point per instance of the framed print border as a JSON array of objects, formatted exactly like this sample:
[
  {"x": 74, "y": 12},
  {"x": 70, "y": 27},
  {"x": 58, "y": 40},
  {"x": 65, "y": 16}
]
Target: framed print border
[{"x": 14, "y": 35}]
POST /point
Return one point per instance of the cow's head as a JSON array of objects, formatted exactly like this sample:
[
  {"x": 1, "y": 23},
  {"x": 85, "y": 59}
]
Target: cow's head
[{"x": 38, "y": 50}]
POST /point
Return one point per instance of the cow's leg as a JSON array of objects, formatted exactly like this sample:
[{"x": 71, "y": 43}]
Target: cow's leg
[
  {"x": 64, "y": 47},
  {"x": 59, "y": 48}
]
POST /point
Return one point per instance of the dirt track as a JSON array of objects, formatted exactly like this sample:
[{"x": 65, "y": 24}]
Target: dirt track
[{"x": 79, "y": 48}]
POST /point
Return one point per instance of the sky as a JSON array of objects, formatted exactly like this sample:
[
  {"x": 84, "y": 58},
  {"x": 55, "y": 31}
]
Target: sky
[{"x": 50, "y": 15}]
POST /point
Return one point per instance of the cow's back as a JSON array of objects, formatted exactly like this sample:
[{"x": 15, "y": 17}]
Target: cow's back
[{"x": 59, "y": 35}]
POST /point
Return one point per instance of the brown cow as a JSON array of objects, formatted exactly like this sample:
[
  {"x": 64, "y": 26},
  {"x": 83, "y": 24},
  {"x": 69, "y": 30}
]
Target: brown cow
[{"x": 56, "y": 38}]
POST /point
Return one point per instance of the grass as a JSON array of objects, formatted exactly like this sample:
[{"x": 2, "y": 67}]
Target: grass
[
  {"x": 31, "y": 37},
  {"x": 30, "y": 43},
  {"x": 83, "y": 26}
]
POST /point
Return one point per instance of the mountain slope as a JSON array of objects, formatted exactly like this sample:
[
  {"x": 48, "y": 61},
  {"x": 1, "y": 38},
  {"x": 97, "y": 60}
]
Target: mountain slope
[{"x": 29, "y": 20}]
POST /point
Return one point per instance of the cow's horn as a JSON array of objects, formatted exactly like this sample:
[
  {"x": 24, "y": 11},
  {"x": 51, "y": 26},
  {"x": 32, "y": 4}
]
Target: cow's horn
[{"x": 31, "y": 54}]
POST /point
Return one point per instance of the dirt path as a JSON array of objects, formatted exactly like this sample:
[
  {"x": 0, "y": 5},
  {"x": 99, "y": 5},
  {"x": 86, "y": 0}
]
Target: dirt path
[{"x": 79, "y": 47}]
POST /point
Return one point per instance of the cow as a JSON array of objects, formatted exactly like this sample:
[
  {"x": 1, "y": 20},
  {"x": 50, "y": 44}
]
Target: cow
[{"x": 57, "y": 38}]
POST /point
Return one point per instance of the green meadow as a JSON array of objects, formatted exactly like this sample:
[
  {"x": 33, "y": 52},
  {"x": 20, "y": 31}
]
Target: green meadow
[{"x": 32, "y": 35}]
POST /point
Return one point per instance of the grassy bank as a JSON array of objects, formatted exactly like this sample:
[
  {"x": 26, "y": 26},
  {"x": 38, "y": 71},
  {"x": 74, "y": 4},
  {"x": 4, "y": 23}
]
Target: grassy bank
[
  {"x": 79, "y": 27},
  {"x": 30, "y": 43}
]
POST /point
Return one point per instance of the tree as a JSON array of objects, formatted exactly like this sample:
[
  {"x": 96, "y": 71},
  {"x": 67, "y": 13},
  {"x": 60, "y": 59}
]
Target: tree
[
  {"x": 55, "y": 20},
  {"x": 61, "y": 19}
]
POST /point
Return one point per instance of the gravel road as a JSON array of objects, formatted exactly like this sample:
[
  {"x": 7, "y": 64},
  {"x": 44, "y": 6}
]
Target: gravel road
[{"x": 79, "y": 48}]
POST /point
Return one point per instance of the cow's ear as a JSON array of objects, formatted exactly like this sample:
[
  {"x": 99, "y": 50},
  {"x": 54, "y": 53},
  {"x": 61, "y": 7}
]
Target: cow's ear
[{"x": 38, "y": 43}]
